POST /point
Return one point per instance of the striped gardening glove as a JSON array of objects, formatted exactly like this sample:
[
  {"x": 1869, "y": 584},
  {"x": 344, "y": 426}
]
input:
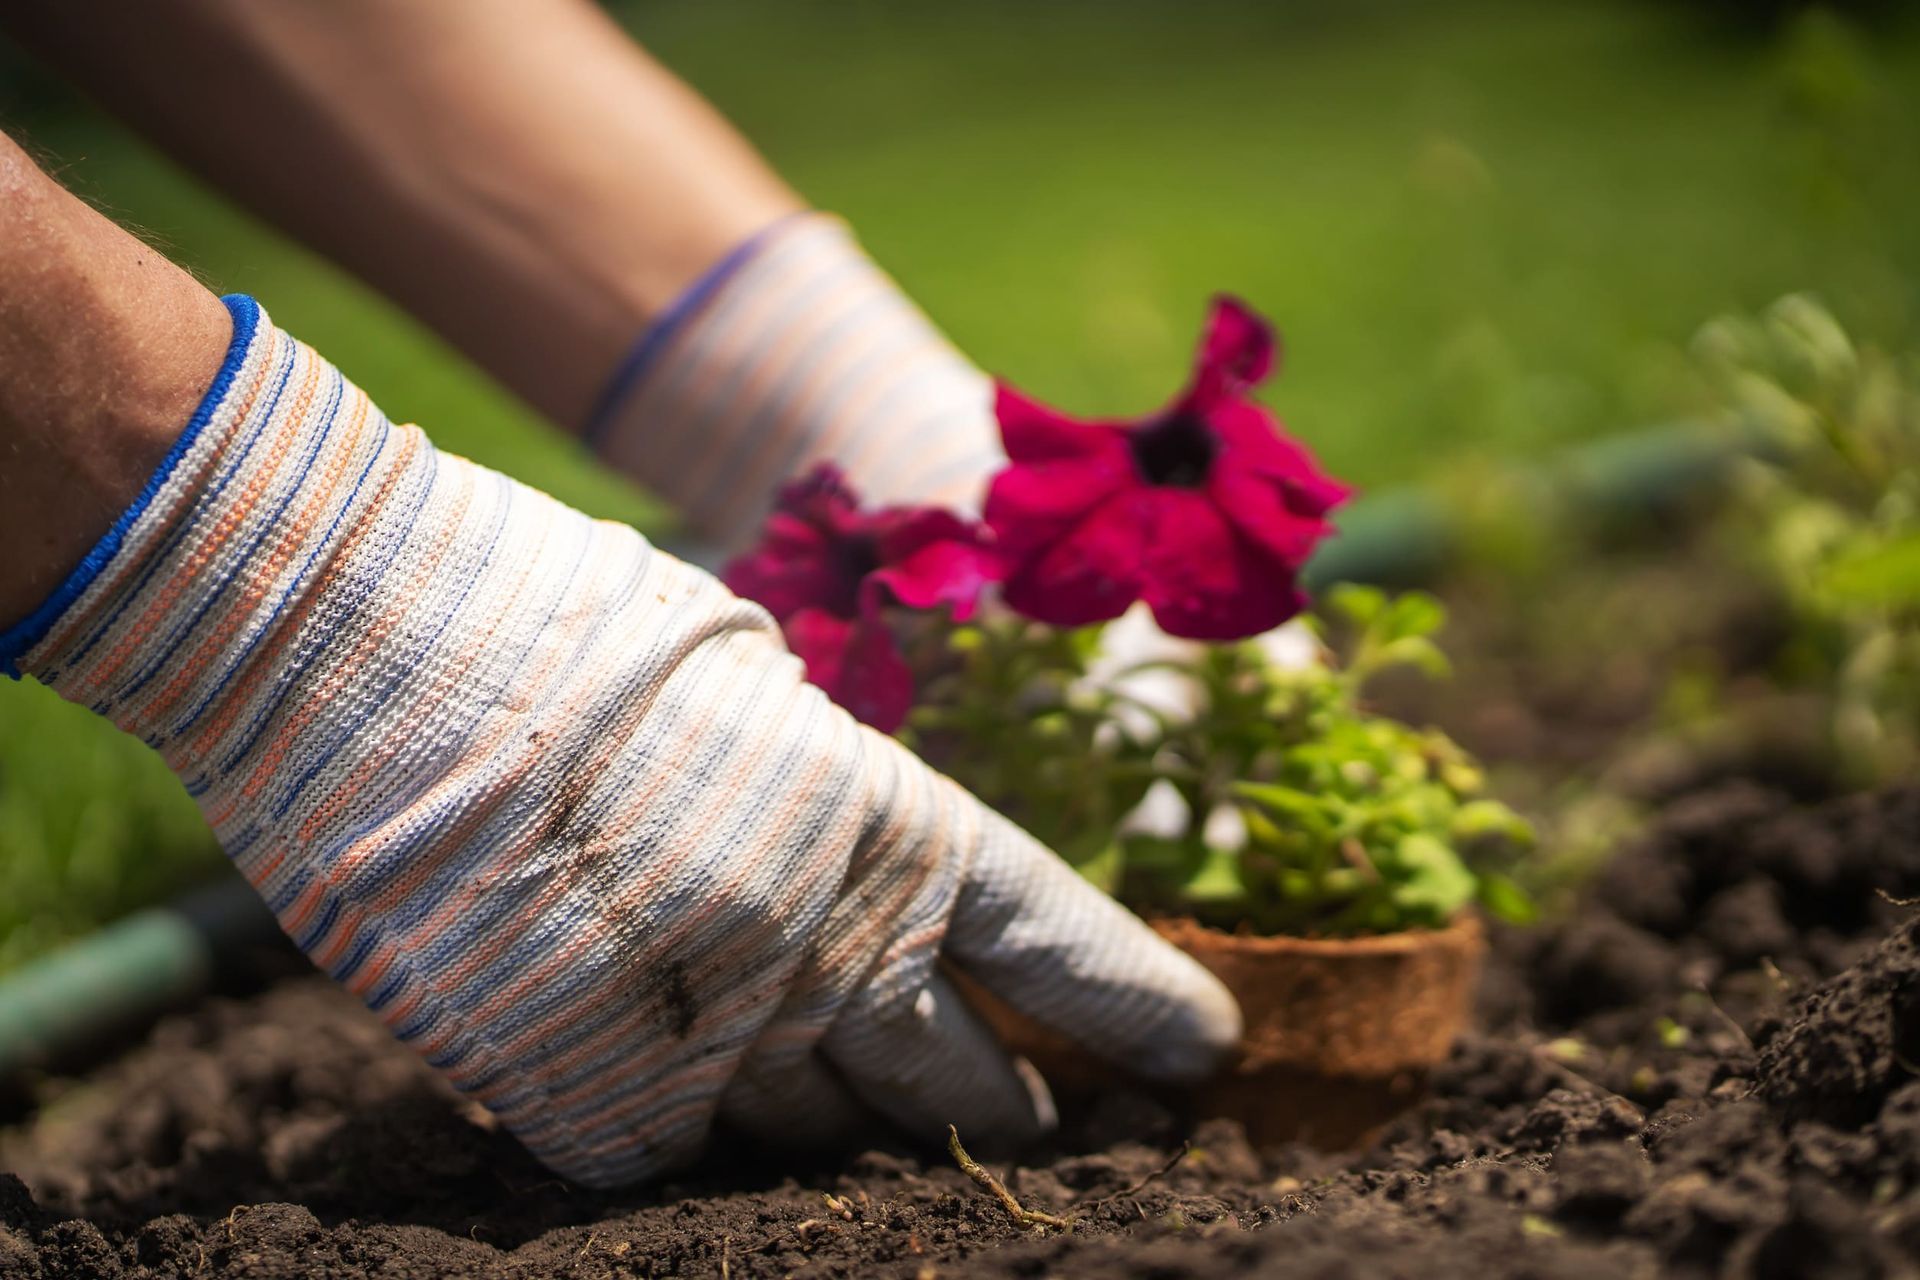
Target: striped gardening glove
[
  {"x": 562, "y": 811},
  {"x": 793, "y": 350}
]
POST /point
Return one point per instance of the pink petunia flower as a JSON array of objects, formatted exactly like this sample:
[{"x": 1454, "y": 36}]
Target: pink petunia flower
[
  {"x": 826, "y": 570},
  {"x": 1204, "y": 510}
]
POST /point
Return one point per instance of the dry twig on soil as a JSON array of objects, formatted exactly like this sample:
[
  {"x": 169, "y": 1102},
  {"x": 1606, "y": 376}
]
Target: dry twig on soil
[{"x": 993, "y": 1186}]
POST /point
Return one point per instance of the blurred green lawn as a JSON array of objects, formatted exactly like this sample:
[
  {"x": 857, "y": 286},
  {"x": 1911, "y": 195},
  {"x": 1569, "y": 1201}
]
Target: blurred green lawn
[{"x": 1483, "y": 228}]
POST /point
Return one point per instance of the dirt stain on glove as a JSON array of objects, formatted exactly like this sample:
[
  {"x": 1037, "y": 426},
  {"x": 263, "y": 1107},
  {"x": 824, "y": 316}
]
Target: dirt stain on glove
[{"x": 679, "y": 999}]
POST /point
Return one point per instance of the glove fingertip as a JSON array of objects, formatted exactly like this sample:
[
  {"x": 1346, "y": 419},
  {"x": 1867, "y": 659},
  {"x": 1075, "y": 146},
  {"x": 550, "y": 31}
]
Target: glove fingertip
[{"x": 1199, "y": 1034}]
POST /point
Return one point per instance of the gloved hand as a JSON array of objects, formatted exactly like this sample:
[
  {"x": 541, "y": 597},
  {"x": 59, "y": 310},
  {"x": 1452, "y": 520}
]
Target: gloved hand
[
  {"x": 563, "y": 811},
  {"x": 796, "y": 349}
]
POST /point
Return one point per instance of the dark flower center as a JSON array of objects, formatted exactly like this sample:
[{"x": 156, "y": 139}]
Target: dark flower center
[
  {"x": 1176, "y": 451},
  {"x": 855, "y": 557}
]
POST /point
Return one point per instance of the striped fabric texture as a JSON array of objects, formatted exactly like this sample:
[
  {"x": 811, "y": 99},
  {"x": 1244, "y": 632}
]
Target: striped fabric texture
[
  {"x": 562, "y": 811},
  {"x": 797, "y": 349}
]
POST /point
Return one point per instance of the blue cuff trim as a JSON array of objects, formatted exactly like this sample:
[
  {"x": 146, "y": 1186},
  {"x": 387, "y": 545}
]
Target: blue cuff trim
[
  {"x": 641, "y": 358},
  {"x": 17, "y": 639}
]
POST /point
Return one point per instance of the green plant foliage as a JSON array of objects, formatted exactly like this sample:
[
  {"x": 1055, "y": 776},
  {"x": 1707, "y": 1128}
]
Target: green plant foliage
[
  {"x": 1352, "y": 822},
  {"x": 1295, "y": 810},
  {"x": 1012, "y": 718},
  {"x": 1831, "y": 516}
]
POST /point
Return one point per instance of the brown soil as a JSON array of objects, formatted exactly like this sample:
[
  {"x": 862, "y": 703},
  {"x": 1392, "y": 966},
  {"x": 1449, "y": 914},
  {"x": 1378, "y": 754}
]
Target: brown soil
[{"x": 1613, "y": 1116}]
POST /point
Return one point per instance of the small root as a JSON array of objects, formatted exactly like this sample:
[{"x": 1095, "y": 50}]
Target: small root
[
  {"x": 983, "y": 1177},
  {"x": 1186, "y": 1148},
  {"x": 1579, "y": 1081},
  {"x": 529, "y": 1190},
  {"x": 1739, "y": 1031}
]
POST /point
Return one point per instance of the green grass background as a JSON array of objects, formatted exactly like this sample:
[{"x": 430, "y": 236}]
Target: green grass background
[{"x": 1483, "y": 228}]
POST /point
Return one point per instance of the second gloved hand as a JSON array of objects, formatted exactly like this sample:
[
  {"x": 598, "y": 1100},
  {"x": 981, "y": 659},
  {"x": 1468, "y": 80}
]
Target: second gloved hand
[{"x": 563, "y": 811}]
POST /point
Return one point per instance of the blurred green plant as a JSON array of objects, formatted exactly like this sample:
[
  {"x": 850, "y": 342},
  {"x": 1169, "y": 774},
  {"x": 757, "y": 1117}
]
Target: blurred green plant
[
  {"x": 93, "y": 828},
  {"x": 1832, "y": 120},
  {"x": 1013, "y": 716},
  {"x": 1830, "y": 516},
  {"x": 1246, "y": 789}
]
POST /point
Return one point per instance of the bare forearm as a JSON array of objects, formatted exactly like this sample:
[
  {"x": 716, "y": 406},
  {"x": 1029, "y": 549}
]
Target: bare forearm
[
  {"x": 515, "y": 172},
  {"x": 105, "y": 347}
]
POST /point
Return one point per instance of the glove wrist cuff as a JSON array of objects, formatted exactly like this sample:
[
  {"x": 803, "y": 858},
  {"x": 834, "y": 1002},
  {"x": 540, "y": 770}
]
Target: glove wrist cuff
[
  {"x": 152, "y": 509},
  {"x": 792, "y": 350}
]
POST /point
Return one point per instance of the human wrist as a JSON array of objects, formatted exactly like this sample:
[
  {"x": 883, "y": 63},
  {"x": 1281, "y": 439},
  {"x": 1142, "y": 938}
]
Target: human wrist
[
  {"x": 104, "y": 349},
  {"x": 548, "y": 277}
]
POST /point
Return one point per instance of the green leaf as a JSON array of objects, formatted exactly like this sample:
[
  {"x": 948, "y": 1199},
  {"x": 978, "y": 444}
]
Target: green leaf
[
  {"x": 1103, "y": 869},
  {"x": 1417, "y": 652},
  {"x": 1886, "y": 573},
  {"x": 1434, "y": 881},
  {"x": 1217, "y": 880},
  {"x": 1261, "y": 830},
  {"x": 1165, "y": 862},
  {"x": 1506, "y": 900},
  {"x": 1413, "y": 614},
  {"x": 1281, "y": 799},
  {"x": 1358, "y": 603},
  {"x": 1344, "y": 882},
  {"x": 1081, "y": 845},
  {"x": 1489, "y": 819}
]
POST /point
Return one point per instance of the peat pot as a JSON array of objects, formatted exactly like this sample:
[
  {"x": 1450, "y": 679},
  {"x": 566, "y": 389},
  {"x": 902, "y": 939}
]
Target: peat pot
[{"x": 1341, "y": 1033}]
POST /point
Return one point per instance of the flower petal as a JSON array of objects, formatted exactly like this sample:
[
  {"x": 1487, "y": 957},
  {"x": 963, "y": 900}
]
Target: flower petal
[
  {"x": 798, "y": 560},
  {"x": 823, "y": 498},
  {"x": 1033, "y": 432},
  {"x": 1089, "y": 574},
  {"x": 1085, "y": 531},
  {"x": 946, "y": 573},
  {"x": 1032, "y": 505},
  {"x": 1203, "y": 581},
  {"x": 792, "y": 567},
  {"x": 856, "y": 662},
  {"x": 1251, "y": 440},
  {"x": 1236, "y": 353},
  {"x": 931, "y": 557},
  {"x": 1257, "y": 507}
]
